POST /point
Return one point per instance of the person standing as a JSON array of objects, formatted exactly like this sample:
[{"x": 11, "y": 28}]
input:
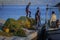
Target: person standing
[
  {"x": 53, "y": 20},
  {"x": 28, "y": 12},
  {"x": 37, "y": 17}
]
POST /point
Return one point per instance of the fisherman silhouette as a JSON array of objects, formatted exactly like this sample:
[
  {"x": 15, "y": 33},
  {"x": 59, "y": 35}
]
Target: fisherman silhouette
[
  {"x": 53, "y": 20},
  {"x": 37, "y": 17},
  {"x": 42, "y": 34},
  {"x": 28, "y": 12}
]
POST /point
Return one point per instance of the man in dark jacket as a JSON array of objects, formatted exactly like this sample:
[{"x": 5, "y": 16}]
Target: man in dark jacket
[
  {"x": 37, "y": 17},
  {"x": 28, "y": 12}
]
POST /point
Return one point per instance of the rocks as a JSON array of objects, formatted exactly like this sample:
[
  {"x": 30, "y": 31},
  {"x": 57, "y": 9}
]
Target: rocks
[
  {"x": 29, "y": 37},
  {"x": 12, "y": 38}
]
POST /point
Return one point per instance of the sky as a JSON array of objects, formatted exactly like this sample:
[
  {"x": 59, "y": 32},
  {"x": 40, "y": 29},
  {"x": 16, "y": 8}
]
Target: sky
[{"x": 33, "y": 2}]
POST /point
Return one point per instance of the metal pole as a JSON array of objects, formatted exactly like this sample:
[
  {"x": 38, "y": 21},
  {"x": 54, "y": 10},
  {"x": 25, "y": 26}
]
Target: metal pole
[{"x": 47, "y": 15}]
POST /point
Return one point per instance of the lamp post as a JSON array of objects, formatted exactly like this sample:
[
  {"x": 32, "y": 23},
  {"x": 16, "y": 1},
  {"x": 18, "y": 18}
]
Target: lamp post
[{"x": 46, "y": 20}]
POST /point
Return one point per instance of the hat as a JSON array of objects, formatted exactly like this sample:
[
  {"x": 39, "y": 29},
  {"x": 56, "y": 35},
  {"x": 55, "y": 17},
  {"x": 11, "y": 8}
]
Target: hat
[
  {"x": 53, "y": 12},
  {"x": 29, "y": 2}
]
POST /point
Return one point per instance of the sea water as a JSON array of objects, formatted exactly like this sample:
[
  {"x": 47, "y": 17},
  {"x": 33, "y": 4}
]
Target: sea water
[{"x": 15, "y": 11}]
